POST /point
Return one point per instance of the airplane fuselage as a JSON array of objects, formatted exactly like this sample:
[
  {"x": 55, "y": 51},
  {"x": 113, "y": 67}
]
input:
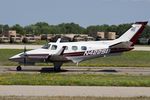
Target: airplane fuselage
[{"x": 60, "y": 52}]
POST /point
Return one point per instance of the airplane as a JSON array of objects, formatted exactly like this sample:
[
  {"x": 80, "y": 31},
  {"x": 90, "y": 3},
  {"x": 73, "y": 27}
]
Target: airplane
[{"x": 62, "y": 52}]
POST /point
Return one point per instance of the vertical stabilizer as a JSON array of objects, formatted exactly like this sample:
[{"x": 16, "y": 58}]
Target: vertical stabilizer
[{"x": 133, "y": 33}]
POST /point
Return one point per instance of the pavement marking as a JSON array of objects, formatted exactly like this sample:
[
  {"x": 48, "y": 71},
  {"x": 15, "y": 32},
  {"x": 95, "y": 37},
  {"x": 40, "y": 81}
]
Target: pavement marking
[{"x": 97, "y": 91}]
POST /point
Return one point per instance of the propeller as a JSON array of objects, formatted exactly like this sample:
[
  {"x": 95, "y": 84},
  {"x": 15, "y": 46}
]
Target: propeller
[{"x": 24, "y": 56}]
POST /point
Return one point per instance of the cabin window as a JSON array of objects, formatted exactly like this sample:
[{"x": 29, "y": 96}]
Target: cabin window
[
  {"x": 74, "y": 47},
  {"x": 46, "y": 46},
  {"x": 54, "y": 47},
  {"x": 83, "y": 48}
]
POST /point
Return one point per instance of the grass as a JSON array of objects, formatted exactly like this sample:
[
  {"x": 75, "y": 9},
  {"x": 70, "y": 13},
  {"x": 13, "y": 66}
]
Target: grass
[
  {"x": 71, "y": 98},
  {"x": 128, "y": 59},
  {"x": 74, "y": 79},
  {"x": 5, "y": 54}
]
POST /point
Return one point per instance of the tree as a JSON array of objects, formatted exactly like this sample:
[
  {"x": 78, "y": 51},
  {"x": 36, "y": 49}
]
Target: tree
[
  {"x": 1, "y": 29},
  {"x": 28, "y": 29},
  {"x": 42, "y": 28},
  {"x": 67, "y": 28},
  {"x": 92, "y": 30},
  {"x": 146, "y": 32},
  {"x": 112, "y": 28},
  {"x": 19, "y": 29},
  {"x": 122, "y": 28}
]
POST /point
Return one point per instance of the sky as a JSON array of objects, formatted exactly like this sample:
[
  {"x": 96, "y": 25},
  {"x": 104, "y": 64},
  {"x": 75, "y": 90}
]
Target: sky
[{"x": 82, "y": 12}]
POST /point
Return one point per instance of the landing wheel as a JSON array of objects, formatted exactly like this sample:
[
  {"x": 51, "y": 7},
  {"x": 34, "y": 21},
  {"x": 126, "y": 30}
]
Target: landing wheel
[
  {"x": 18, "y": 68},
  {"x": 57, "y": 69}
]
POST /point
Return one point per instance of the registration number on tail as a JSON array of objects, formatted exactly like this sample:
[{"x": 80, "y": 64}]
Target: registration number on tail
[{"x": 97, "y": 52}]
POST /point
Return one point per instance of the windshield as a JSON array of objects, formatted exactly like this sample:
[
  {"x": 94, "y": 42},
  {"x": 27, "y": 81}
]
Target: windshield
[
  {"x": 46, "y": 46},
  {"x": 54, "y": 47}
]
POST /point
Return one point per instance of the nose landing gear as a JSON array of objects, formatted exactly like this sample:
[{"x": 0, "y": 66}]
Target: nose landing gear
[{"x": 18, "y": 68}]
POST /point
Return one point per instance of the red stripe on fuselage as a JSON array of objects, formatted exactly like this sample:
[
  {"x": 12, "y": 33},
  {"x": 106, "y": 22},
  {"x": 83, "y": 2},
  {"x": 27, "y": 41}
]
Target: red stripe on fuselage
[{"x": 74, "y": 54}]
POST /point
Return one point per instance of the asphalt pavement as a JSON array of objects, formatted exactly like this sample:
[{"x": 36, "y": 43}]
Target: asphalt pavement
[
  {"x": 79, "y": 70},
  {"x": 97, "y": 91}
]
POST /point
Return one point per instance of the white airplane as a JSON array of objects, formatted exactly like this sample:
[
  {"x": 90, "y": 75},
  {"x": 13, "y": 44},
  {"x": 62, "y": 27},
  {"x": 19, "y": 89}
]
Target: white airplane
[{"x": 62, "y": 52}]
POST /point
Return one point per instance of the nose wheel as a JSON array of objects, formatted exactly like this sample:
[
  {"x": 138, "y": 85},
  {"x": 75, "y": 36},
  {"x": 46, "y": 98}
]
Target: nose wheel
[{"x": 18, "y": 68}]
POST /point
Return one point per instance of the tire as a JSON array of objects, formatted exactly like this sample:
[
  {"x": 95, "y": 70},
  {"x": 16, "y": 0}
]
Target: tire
[
  {"x": 19, "y": 68},
  {"x": 57, "y": 69}
]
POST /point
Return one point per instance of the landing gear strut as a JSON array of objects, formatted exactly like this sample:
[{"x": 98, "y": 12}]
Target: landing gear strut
[
  {"x": 57, "y": 69},
  {"x": 57, "y": 66},
  {"x": 18, "y": 68}
]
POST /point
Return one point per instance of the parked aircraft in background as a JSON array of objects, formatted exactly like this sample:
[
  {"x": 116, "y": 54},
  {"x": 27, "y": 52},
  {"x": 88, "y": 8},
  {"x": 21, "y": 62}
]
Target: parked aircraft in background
[{"x": 62, "y": 52}]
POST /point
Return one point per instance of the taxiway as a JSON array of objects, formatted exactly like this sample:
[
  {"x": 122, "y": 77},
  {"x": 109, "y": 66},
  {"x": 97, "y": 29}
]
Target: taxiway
[{"x": 79, "y": 70}]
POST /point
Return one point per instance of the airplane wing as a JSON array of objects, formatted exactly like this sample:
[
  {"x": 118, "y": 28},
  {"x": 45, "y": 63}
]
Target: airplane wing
[
  {"x": 58, "y": 56},
  {"x": 61, "y": 51}
]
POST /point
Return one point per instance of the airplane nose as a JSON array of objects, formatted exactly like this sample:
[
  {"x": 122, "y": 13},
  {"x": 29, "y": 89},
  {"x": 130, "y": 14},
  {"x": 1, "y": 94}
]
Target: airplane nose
[{"x": 14, "y": 57}]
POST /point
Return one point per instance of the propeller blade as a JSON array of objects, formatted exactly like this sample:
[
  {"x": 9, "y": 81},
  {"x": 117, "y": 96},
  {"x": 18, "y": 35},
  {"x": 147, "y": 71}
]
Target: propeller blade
[
  {"x": 48, "y": 58},
  {"x": 25, "y": 55},
  {"x": 25, "y": 49}
]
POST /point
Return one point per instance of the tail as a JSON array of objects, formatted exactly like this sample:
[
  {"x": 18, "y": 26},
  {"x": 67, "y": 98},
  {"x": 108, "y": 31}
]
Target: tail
[{"x": 133, "y": 33}]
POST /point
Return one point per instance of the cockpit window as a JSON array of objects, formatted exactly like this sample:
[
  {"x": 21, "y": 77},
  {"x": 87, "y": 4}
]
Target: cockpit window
[
  {"x": 54, "y": 47},
  {"x": 46, "y": 46}
]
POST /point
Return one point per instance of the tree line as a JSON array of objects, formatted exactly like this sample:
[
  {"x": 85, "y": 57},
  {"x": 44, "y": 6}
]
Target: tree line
[{"x": 67, "y": 28}]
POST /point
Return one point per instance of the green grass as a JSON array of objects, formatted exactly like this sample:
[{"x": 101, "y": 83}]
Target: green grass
[
  {"x": 5, "y": 54},
  {"x": 74, "y": 79},
  {"x": 71, "y": 98},
  {"x": 128, "y": 59}
]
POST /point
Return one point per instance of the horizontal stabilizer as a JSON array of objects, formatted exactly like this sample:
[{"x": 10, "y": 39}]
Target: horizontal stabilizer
[
  {"x": 122, "y": 45},
  {"x": 58, "y": 56}
]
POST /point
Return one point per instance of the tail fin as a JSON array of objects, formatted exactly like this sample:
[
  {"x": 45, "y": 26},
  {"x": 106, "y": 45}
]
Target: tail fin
[{"x": 133, "y": 33}]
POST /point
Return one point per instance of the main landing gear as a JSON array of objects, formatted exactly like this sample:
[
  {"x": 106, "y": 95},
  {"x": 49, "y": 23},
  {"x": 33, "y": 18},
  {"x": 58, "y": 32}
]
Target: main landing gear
[
  {"x": 18, "y": 68},
  {"x": 57, "y": 66}
]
